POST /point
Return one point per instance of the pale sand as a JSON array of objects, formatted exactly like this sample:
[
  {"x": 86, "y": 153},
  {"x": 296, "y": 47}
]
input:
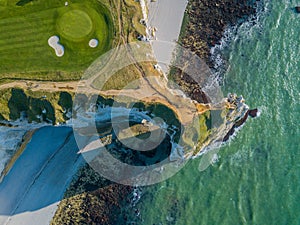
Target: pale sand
[
  {"x": 93, "y": 43},
  {"x": 11, "y": 139},
  {"x": 166, "y": 16},
  {"x": 54, "y": 43},
  {"x": 31, "y": 191}
]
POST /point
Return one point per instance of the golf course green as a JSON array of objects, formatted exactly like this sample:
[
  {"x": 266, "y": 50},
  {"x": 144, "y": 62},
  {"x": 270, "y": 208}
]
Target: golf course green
[
  {"x": 75, "y": 25},
  {"x": 27, "y": 26}
]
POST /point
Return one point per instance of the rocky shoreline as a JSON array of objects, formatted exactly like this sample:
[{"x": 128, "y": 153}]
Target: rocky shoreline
[
  {"x": 203, "y": 28},
  {"x": 207, "y": 20},
  {"x": 199, "y": 35}
]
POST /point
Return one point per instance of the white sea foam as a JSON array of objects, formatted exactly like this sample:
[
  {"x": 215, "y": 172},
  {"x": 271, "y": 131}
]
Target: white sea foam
[
  {"x": 252, "y": 25},
  {"x": 233, "y": 33}
]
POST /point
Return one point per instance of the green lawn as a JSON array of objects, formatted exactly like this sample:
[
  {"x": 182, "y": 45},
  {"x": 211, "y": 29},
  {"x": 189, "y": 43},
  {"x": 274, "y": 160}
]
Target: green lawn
[
  {"x": 75, "y": 25},
  {"x": 25, "y": 30}
]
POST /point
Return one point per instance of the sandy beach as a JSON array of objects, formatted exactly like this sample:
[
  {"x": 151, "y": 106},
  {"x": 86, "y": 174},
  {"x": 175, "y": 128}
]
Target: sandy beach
[
  {"x": 166, "y": 17},
  {"x": 31, "y": 191},
  {"x": 11, "y": 139}
]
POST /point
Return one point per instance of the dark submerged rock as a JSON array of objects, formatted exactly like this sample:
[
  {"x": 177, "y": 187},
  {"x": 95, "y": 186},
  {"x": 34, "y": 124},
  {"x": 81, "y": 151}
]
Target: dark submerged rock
[{"x": 253, "y": 113}]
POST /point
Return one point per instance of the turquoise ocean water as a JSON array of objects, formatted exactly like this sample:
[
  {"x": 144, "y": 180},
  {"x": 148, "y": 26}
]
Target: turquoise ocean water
[{"x": 256, "y": 179}]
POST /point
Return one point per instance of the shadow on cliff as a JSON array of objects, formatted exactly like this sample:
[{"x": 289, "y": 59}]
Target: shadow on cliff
[
  {"x": 34, "y": 109},
  {"x": 40, "y": 176}
]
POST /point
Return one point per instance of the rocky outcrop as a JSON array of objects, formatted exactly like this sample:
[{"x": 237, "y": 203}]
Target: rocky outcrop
[
  {"x": 102, "y": 206},
  {"x": 240, "y": 122},
  {"x": 92, "y": 199},
  {"x": 207, "y": 21},
  {"x": 203, "y": 28},
  {"x": 56, "y": 107},
  {"x": 234, "y": 117},
  {"x": 253, "y": 113}
]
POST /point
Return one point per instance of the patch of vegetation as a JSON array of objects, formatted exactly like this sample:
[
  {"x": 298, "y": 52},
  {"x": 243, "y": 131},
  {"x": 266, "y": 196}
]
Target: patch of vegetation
[
  {"x": 199, "y": 132},
  {"x": 35, "y": 106},
  {"x": 91, "y": 199},
  {"x": 122, "y": 78},
  {"x": 23, "y": 2},
  {"x": 133, "y": 27},
  {"x": 86, "y": 180},
  {"x": 164, "y": 112},
  {"x": 17, "y": 103},
  {"x": 75, "y": 25}
]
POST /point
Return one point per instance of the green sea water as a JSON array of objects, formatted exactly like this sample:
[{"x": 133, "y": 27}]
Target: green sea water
[{"x": 256, "y": 179}]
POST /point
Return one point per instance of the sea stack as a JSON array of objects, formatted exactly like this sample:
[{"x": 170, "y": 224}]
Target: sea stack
[{"x": 253, "y": 113}]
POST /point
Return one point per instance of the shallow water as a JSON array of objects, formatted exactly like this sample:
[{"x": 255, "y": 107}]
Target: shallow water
[{"x": 256, "y": 178}]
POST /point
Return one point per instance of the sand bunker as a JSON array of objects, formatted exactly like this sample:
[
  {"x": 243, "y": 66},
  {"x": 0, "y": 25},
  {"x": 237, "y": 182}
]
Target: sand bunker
[
  {"x": 53, "y": 43},
  {"x": 93, "y": 43}
]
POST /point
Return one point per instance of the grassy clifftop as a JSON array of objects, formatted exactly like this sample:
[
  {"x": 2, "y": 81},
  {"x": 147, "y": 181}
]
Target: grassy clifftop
[{"x": 35, "y": 106}]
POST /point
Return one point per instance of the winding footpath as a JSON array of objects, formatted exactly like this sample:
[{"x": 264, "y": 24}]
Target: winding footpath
[{"x": 150, "y": 90}]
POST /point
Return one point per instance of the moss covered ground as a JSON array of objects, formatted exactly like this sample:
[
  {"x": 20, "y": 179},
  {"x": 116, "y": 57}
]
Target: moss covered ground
[{"x": 35, "y": 106}]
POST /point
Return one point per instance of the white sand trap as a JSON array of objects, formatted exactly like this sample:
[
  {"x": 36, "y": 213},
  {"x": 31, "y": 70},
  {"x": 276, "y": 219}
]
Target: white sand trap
[
  {"x": 53, "y": 43},
  {"x": 93, "y": 43}
]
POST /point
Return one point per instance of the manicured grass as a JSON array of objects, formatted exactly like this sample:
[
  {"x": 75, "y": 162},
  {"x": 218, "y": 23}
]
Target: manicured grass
[
  {"x": 75, "y": 25},
  {"x": 25, "y": 30}
]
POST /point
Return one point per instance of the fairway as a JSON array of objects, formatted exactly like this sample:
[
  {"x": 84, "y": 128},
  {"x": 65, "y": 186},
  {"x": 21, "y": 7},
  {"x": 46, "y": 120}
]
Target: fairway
[{"x": 25, "y": 30}]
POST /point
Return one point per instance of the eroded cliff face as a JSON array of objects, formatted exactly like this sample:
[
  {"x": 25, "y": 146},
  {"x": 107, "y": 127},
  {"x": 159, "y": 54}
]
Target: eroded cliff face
[
  {"x": 233, "y": 117},
  {"x": 52, "y": 108},
  {"x": 215, "y": 125}
]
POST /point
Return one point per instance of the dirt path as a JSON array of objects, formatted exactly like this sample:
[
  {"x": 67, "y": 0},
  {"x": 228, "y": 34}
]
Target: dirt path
[{"x": 157, "y": 92}]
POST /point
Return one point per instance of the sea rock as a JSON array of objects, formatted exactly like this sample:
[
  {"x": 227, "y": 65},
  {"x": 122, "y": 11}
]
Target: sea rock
[
  {"x": 235, "y": 117},
  {"x": 253, "y": 113},
  {"x": 297, "y": 8}
]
